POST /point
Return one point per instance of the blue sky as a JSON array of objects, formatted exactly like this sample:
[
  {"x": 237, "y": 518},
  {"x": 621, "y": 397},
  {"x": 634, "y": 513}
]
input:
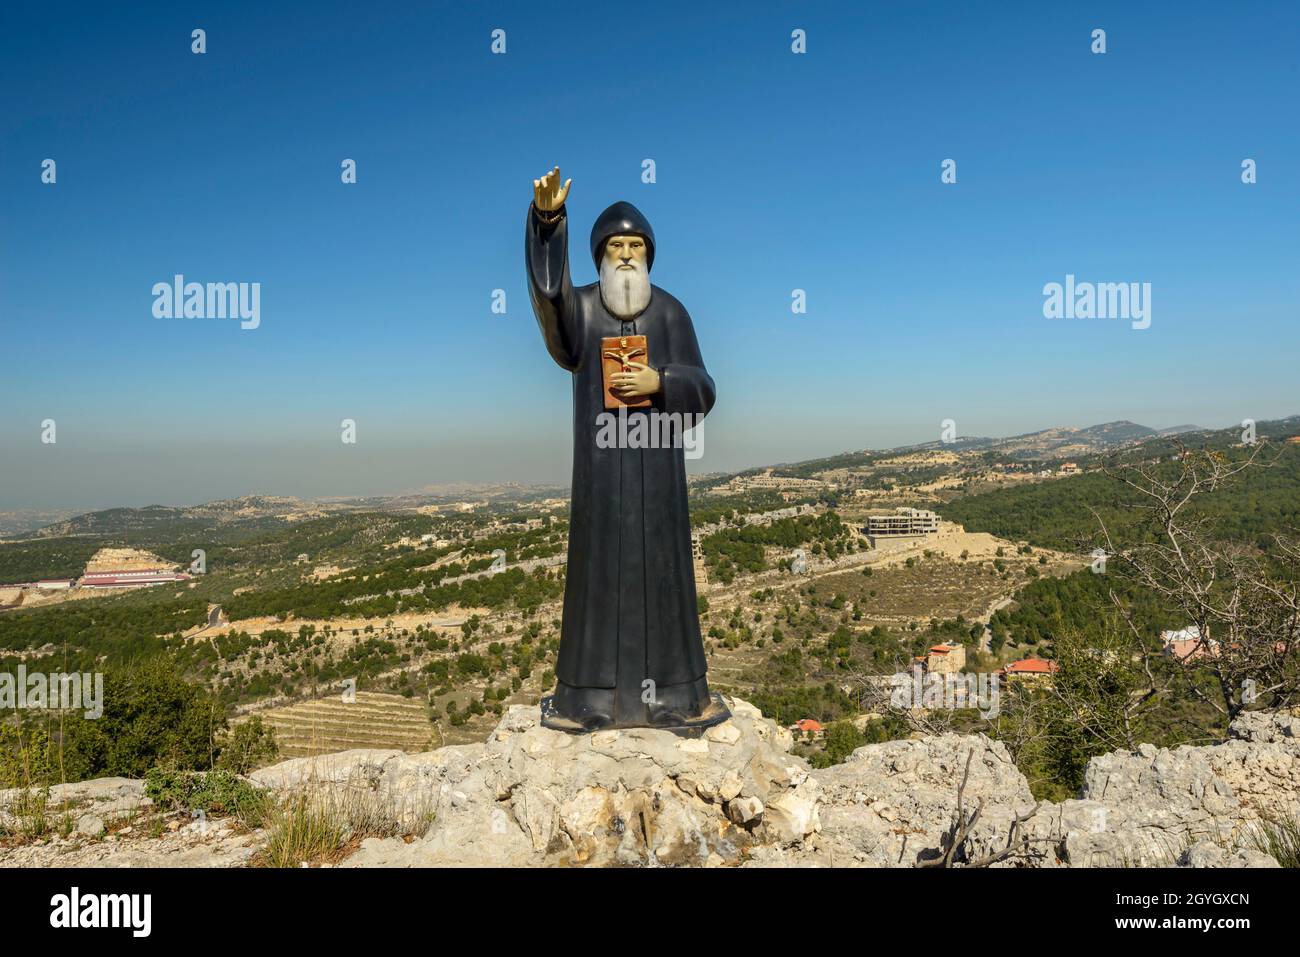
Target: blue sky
[{"x": 775, "y": 171}]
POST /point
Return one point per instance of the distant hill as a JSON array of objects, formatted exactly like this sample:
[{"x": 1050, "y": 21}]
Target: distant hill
[
  {"x": 21, "y": 520},
  {"x": 154, "y": 518},
  {"x": 1258, "y": 504},
  {"x": 1067, "y": 442},
  {"x": 1056, "y": 443}
]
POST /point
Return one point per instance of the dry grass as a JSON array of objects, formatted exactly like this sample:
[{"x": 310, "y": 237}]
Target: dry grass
[
  {"x": 323, "y": 825},
  {"x": 30, "y": 816},
  {"x": 1279, "y": 839}
]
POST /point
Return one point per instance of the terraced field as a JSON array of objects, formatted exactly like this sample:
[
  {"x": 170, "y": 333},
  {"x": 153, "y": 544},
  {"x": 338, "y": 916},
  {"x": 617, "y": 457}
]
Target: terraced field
[
  {"x": 330, "y": 724},
  {"x": 935, "y": 587}
]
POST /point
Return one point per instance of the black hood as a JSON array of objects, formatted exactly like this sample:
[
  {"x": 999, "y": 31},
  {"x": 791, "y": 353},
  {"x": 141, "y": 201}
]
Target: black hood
[{"x": 621, "y": 219}]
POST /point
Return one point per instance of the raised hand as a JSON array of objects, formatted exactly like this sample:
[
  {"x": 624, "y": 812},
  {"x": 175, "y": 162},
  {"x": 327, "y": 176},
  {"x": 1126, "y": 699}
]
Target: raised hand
[{"x": 548, "y": 195}]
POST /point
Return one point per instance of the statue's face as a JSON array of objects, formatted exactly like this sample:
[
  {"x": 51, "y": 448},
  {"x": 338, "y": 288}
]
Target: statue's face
[
  {"x": 625, "y": 276},
  {"x": 626, "y": 253}
]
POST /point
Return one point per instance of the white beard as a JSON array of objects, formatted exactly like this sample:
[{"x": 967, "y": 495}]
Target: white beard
[{"x": 625, "y": 292}]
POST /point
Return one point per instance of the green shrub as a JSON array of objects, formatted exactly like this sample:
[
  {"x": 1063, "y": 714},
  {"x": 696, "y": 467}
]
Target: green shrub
[
  {"x": 26, "y": 756},
  {"x": 215, "y": 792},
  {"x": 152, "y": 718},
  {"x": 250, "y": 745}
]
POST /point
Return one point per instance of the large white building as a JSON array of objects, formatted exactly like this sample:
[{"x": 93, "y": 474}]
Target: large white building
[
  {"x": 135, "y": 578},
  {"x": 901, "y": 523}
]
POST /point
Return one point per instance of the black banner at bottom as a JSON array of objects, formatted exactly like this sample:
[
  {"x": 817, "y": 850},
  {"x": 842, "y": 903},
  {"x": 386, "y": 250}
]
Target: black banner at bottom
[{"x": 330, "y": 906}]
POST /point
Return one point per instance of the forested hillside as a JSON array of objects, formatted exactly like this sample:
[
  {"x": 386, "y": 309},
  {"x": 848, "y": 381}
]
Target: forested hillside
[{"x": 1257, "y": 504}]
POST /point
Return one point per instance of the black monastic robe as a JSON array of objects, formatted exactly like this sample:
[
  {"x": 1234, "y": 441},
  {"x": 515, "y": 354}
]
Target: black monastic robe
[{"x": 630, "y": 609}]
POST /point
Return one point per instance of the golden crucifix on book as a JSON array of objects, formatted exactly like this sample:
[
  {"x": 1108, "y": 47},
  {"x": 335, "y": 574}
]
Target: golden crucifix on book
[{"x": 616, "y": 355}]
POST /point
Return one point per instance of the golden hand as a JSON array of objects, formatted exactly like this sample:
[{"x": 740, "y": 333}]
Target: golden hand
[{"x": 548, "y": 195}]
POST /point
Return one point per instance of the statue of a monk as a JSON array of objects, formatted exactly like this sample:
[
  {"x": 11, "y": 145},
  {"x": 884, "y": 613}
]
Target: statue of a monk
[{"x": 630, "y": 647}]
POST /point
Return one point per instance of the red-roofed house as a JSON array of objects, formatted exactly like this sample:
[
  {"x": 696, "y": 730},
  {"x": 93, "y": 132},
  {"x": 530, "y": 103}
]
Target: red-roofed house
[
  {"x": 946, "y": 659},
  {"x": 1038, "y": 670},
  {"x": 808, "y": 726},
  {"x": 1186, "y": 644}
]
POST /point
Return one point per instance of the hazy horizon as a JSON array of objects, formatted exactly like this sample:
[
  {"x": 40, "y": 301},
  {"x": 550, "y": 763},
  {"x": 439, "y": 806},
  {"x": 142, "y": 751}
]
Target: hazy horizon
[{"x": 562, "y": 480}]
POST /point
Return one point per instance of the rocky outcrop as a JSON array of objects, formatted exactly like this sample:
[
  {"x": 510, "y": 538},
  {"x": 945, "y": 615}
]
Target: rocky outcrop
[
  {"x": 1157, "y": 806},
  {"x": 889, "y": 804},
  {"x": 736, "y": 796},
  {"x": 533, "y": 796}
]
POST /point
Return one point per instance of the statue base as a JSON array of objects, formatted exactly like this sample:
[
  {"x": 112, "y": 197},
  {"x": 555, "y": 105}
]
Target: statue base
[{"x": 715, "y": 712}]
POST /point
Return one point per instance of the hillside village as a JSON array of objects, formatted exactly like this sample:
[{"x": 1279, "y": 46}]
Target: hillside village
[{"x": 410, "y": 625}]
